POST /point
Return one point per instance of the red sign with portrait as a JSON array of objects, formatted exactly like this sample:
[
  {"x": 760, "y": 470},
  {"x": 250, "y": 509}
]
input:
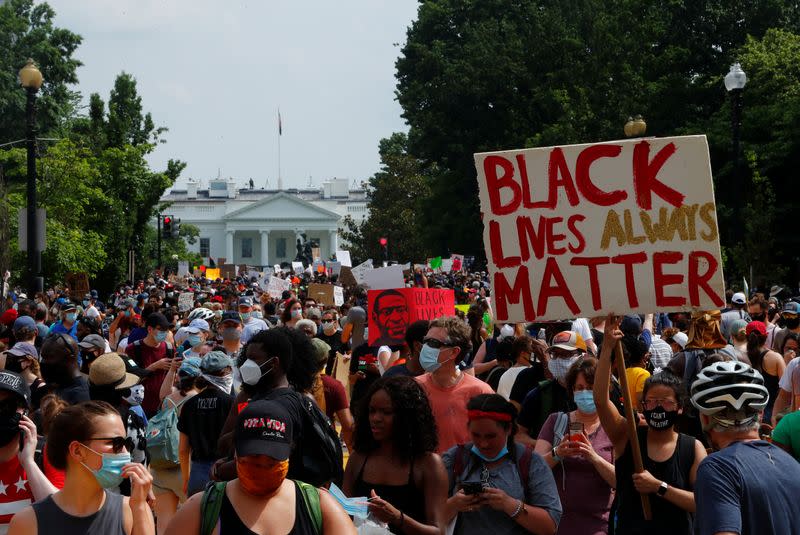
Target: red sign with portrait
[{"x": 391, "y": 311}]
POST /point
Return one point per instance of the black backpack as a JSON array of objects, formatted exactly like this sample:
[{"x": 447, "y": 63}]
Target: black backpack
[{"x": 320, "y": 447}]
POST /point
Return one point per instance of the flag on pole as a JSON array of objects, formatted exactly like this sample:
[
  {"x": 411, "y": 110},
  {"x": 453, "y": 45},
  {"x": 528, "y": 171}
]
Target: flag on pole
[{"x": 280, "y": 125}]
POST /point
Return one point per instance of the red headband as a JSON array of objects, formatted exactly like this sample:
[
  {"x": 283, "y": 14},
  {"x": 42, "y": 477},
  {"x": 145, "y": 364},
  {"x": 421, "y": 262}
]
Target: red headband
[{"x": 497, "y": 416}]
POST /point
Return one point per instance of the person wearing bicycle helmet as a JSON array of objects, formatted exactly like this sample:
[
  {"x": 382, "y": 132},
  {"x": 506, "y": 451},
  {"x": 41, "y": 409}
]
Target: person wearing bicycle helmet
[
  {"x": 748, "y": 486},
  {"x": 201, "y": 314}
]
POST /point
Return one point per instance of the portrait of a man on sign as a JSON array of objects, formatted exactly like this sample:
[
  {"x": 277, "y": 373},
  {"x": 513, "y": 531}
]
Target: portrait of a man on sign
[{"x": 390, "y": 314}]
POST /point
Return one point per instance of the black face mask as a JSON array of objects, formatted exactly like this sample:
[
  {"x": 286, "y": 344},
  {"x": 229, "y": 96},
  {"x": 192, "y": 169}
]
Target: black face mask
[
  {"x": 660, "y": 419},
  {"x": 758, "y": 317},
  {"x": 9, "y": 427},
  {"x": 793, "y": 323}
]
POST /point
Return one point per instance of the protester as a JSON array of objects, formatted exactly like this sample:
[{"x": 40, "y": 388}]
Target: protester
[
  {"x": 415, "y": 336},
  {"x": 738, "y": 311},
  {"x": 87, "y": 440},
  {"x": 331, "y": 396},
  {"x": 447, "y": 387},
  {"x": 394, "y": 462},
  {"x": 748, "y": 486},
  {"x": 68, "y": 322},
  {"x": 670, "y": 458},
  {"x": 202, "y": 419},
  {"x": 521, "y": 355},
  {"x": 496, "y": 485},
  {"x": 262, "y": 499},
  {"x": 791, "y": 318},
  {"x": 24, "y": 360},
  {"x": 152, "y": 353},
  {"x": 230, "y": 330},
  {"x": 582, "y": 460},
  {"x": 59, "y": 365},
  {"x": 768, "y": 363},
  {"x": 758, "y": 309},
  {"x": 250, "y": 325}
]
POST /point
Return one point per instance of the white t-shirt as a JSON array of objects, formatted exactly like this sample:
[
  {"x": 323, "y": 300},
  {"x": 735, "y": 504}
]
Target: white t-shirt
[
  {"x": 507, "y": 381},
  {"x": 582, "y": 327},
  {"x": 786, "y": 379},
  {"x": 91, "y": 312}
]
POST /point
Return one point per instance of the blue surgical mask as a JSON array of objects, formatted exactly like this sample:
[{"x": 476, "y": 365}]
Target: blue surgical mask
[
  {"x": 71, "y": 317},
  {"x": 257, "y": 315},
  {"x": 584, "y": 399},
  {"x": 85, "y": 303},
  {"x": 109, "y": 475},
  {"x": 429, "y": 358},
  {"x": 161, "y": 336},
  {"x": 352, "y": 506},
  {"x": 497, "y": 457},
  {"x": 245, "y": 315},
  {"x": 194, "y": 340}
]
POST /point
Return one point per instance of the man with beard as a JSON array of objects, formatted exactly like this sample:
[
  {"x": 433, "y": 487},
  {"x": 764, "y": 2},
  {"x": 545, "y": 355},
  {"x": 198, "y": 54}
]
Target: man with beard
[
  {"x": 390, "y": 315},
  {"x": 59, "y": 367},
  {"x": 791, "y": 318},
  {"x": 758, "y": 308}
]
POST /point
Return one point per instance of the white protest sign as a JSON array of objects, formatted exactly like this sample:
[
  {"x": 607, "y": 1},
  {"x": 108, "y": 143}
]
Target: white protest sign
[
  {"x": 253, "y": 274},
  {"x": 183, "y": 268},
  {"x": 185, "y": 301},
  {"x": 338, "y": 296},
  {"x": 360, "y": 271},
  {"x": 344, "y": 258},
  {"x": 298, "y": 267},
  {"x": 277, "y": 268},
  {"x": 277, "y": 286},
  {"x": 447, "y": 264},
  {"x": 385, "y": 278},
  {"x": 584, "y": 230},
  {"x": 334, "y": 268}
]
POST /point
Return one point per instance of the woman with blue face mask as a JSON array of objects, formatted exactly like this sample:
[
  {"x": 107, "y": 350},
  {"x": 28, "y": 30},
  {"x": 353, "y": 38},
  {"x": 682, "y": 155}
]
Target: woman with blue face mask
[
  {"x": 581, "y": 455},
  {"x": 88, "y": 442},
  {"x": 497, "y": 485}
]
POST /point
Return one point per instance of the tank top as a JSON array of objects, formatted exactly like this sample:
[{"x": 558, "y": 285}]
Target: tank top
[
  {"x": 231, "y": 524},
  {"x": 108, "y": 520},
  {"x": 667, "y": 518},
  {"x": 406, "y": 498}
]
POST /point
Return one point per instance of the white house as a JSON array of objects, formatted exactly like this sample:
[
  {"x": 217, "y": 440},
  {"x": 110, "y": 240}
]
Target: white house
[{"x": 259, "y": 227}]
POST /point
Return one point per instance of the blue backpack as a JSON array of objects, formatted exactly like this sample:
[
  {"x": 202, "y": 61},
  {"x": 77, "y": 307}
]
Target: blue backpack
[{"x": 163, "y": 436}]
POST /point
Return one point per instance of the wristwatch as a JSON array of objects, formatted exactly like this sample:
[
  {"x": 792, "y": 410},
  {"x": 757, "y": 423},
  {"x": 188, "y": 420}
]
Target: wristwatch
[
  {"x": 555, "y": 455},
  {"x": 662, "y": 489}
]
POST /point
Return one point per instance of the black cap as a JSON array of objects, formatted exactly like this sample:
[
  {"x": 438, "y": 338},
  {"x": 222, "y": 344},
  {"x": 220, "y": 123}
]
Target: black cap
[
  {"x": 264, "y": 428},
  {"x": 13, "y": 382},
  {"x": 231, "y": 315},
  {"x": 157, "y": 319}
]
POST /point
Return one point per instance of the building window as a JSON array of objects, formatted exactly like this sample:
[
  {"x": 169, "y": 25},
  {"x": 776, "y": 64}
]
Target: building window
[
  {"x": 280, "y": 248},
  {"x": 205, "y": 247},
  {"x": 247, "y": 247}
]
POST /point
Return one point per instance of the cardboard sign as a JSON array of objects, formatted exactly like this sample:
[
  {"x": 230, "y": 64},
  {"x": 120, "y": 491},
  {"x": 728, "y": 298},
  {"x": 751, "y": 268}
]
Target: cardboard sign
[
  {"x": 277, "y": 286},
  {"x": 334, "y": 268},
  {"x": 212, "y": 274},
  {"x": 298, "y": 267},
  {"x": 338, "y": 296},
  {"x": 584, "y": 230},
  {"x": 322, "y": 293},
  {"x": 344, "y": 258},
  {"x": 384, "y": 278},
  {"x": 360, "y": 271},
  {"x": 391, "y": 311},
  {"x": 183, "y": 268},
  {"x": 185, "y": 301},
  {"x": 228, "y": 271},
  {"x": 78, "y": 285},
  {"x": 346, "y": 277}
]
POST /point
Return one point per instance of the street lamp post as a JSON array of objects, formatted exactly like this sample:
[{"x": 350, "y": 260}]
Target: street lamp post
[
  {"x": 735, "y": 81},
  {"x": 31, "y": 79}
]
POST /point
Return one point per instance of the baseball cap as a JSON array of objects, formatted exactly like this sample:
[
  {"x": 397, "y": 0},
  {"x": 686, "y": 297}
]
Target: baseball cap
[
  {"x": 230, "y": 315},
  {"x": 245, "y": 301},
  {"x": 631, "y": 324},
  {"x": 321, "y": 351},
  {"x": 9, "y": 316},
  {"x": 214, "y": 361},
  {"x": 68, "y": 305},
  {"x": 569, "y": 340},
  {"x": 681, "y": 339},
  {"x": 110, "y": 370},
  {"x": 198, "y": 325},
  {"x": 756, "y": 326},
  {"x": 93, "y": 341},
  {"x": 791, "y": 308},
  {"x": 24, "y": 349},
  {"x": 157, "y": 319},
  {"x": 739, "y": 299},
  {"x": 190, "y": 366},
  {"x": 264, "y": 428},
  {"x": 13, "y": 382},
  {"x": 93, "y": 293},
  {"x": 24, "y": 322}
]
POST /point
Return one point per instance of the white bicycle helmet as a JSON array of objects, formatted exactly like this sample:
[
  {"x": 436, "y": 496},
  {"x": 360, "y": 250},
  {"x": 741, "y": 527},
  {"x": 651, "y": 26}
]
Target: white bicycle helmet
[
  {"x": 201, "y": 313},
  {"x": 734, "y": 388}
]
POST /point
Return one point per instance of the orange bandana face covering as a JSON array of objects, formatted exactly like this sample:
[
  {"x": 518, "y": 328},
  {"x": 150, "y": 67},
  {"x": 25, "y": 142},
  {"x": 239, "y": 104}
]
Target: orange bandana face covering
[
  {"x": 704, "y": 331},
  {"x": 260, "y": 479}
]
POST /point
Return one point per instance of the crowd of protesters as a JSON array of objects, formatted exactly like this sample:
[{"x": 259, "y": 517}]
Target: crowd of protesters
[{"x": 242, "y": 412}]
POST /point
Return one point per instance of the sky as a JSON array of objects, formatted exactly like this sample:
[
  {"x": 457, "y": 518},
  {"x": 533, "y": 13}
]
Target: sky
[{"x": 216, "y": 74}]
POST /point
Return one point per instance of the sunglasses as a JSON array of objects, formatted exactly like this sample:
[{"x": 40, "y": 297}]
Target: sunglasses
[
  {"x": 436, "y": 344},
  {"x": 117, "y": 443}
]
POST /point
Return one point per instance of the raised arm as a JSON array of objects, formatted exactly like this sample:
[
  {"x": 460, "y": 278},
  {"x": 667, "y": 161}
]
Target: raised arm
[{"x": 610, "y": 418}]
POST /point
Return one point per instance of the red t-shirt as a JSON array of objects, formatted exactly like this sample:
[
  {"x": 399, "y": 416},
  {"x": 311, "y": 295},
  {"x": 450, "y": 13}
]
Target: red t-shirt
[
  {"x": 152, "y": 383},
  {"x": 53, "y": 474},
  {"x": 335, "y": 396},
  {"x": 15, "y": 494}
]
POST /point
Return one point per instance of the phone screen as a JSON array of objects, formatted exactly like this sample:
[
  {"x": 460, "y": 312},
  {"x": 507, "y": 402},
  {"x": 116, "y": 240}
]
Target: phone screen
[{"x": 575, "y": 431}]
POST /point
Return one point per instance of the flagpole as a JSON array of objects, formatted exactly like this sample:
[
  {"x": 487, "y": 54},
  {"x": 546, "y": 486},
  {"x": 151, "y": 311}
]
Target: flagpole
[{"x": 280, "y": 134}]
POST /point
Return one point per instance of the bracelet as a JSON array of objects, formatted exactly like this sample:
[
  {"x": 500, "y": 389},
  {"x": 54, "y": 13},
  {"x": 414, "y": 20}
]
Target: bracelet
[
  {"x": 399, "y": 523},
  {"x": 555, "y": 455},
  {"x": 519, "y": 509}
]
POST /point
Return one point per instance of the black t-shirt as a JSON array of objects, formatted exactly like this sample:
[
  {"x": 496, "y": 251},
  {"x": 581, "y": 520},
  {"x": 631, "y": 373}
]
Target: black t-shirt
[
  {"x": 493, "y": 379},
  {"x": 202, "y": 419},
  {"x": 363, "y": 357},
  {"x": 540, "y": 403},
  {"x": 527, "y": 380}
]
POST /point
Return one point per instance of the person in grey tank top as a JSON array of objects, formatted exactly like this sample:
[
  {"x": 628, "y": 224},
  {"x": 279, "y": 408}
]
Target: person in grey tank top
[{"x": 89, "y": 442}]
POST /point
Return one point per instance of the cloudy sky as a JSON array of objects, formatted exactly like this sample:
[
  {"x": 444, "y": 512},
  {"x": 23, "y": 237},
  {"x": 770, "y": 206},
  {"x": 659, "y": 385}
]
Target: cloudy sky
[{"x": 216, "y": 73}]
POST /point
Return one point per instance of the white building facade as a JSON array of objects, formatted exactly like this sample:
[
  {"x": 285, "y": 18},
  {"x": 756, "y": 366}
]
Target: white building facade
[{"x": 260, "y": 227}]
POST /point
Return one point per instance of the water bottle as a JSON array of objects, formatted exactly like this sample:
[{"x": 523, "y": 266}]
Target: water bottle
[{"x": 542, "y": 335}]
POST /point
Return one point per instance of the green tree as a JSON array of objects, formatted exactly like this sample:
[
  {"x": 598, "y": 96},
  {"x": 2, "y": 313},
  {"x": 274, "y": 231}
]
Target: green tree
[
  {"x": 28, "y": 31},
  {"x": 395, "y": 194}
]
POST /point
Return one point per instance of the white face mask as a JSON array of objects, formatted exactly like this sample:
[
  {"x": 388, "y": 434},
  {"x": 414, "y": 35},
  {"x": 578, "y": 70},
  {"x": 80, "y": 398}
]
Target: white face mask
[
  {"x": 224, "y": 382},
  {"x": 251, "y": 371},
  {"x": 560, "y": 367}
]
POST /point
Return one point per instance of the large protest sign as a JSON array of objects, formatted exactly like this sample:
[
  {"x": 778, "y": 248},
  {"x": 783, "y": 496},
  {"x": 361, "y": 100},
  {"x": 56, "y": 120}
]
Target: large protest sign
[
  {"x": 583, "y": 230},
  {"x": 321, "y": 293},
  {"x": 277, "y": 286},
  {"x": 185, "y": 301},
  {"x": 298, "y": 267},
  {"x": 392, "y": 311},
  {"x": 212, "y": 274},
  {"x": 338, "y": 296},
  {"x": 183, "y": 268},
  {"x": 78, "y": 285},
  {"x": 344, "y": 258},
  {"x": 346, "y": 276},
  {"x": 360, "y": 271},
  {"x": 384, "y": 278}
]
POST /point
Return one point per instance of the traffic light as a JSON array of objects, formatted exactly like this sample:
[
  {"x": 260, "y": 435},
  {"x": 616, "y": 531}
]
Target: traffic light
[
  {"x": 176, "y": 227},
  {"x": 167, "y": 226}
]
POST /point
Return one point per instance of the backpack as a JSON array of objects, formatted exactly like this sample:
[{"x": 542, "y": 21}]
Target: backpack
[
  {"x": 523, "y": 462},
  {"x": 321, "y": 449},
  {"x": 163, "y": 436},
  {"x": 560, "y": 428},
  {"x": 211, "y": 505}
]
